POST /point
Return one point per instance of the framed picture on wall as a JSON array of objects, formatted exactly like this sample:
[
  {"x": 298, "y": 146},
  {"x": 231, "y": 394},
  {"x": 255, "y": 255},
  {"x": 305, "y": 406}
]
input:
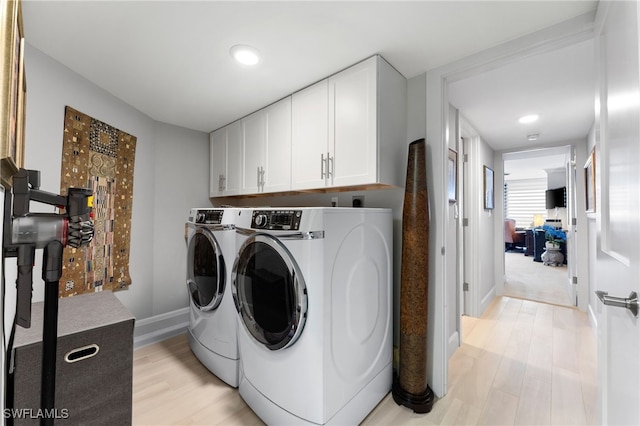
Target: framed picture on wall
[
  {"x": 488, "y": 188},
  {"x": 590, "y": 182},
  {"x": 453, "y": 176},
  {"x": 13, "y": 90}
]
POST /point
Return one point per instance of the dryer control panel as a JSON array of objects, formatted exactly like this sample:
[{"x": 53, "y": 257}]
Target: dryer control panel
[
  {"x": 276, "y": 220},
  {"x": 208, "y": 217}
]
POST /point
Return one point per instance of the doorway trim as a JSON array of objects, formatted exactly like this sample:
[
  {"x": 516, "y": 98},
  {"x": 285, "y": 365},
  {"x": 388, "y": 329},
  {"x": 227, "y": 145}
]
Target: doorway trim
[
  {"x": 577, "y": 150},
  {"x": 567, "y": 33}
]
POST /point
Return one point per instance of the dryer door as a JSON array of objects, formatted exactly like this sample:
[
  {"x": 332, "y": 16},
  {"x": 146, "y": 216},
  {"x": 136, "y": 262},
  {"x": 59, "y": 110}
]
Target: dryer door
[
  {"x": 269, "y": 291},
  {"x": 205, "y": 269}
]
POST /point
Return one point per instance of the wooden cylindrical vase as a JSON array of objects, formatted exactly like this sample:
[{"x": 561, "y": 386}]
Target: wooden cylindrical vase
[{"x": 410, "y": 386}]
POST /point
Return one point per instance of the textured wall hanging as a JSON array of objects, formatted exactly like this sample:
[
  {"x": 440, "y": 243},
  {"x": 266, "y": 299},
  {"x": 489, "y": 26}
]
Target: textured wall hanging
[{"x": 101, "y": 157}]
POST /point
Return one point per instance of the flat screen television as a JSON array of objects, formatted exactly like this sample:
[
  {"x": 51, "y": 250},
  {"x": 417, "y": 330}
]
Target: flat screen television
[{"x": 556, "y": 198}]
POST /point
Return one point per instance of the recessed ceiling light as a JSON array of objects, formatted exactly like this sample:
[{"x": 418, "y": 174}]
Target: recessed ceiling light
[
  {"x": 533, "y": 137},
  {"x": 244, "y": 54},
  {"x": 528, "y": 118}
]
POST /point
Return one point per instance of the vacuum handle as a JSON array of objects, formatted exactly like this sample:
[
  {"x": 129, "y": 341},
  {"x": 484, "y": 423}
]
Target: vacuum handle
[
  {"x": 79, "y": 203},
  {"x": 24, "y": 284}
]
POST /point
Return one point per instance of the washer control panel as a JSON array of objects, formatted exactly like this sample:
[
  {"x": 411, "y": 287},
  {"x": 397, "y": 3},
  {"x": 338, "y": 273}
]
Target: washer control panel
[
  {"x": 277, "y": 220},
  {"x": 209, "y": 217}
]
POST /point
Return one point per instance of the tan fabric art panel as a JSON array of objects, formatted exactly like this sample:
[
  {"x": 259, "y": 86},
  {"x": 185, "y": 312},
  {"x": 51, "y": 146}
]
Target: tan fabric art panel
[{"x": 98, "y": 156}]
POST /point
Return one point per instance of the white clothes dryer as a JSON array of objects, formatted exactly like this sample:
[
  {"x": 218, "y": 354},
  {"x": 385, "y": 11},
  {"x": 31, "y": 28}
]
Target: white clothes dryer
[
  {"x": 211, "y": 250},
  {"x": 313, "y": 289}
]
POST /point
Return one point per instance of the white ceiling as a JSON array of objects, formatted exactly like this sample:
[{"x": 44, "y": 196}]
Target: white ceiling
[
  {"x": 536, "y": 163},
  {"x": 559, "y": 86},
  {"x": 170, "y": 59}
]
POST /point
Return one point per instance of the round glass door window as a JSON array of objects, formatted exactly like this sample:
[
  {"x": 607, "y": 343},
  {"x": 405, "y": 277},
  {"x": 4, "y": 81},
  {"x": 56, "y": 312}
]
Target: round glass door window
[
  {"x": 270, "y": 292},
  {"x": 205, "y": 270}
]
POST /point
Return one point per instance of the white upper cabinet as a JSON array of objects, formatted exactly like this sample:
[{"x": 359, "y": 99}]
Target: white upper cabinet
[
  {"x": 310, "y": 127},
  {"x": 277, "y": 153},
  {"x": 267, "y": 149},
  {"x": 217, "y": 162},
  {"x": 350, "y": 129},
  {"x": 254, "y": 132},
  {"x": 225, "y": 160},
  {"x": 346, "y": 130},
  {"x": 352, "y": 118}
]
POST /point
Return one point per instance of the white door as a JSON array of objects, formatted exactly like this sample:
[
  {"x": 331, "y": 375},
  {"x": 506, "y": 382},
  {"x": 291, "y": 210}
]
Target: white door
[
  {"x": 277, "y": 160},
  {"x": 618, "y": 207},
  {"x": 234, "y": 158},
  {"x": 254, "y": 132},
  {"x": 572, "y": 249},
  {"x": 309, "y": 131},
  {"x": 352, "y": 125},
  {"x": 468, "y": 255},
  {"x": 217, "y": 162},
  {"x": 453, "y": 287}
]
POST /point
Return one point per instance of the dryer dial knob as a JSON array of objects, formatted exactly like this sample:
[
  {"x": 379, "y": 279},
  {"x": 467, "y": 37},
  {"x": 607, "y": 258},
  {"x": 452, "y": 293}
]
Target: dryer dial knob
[
  {"x": 200, "y": 217},
  {"x": 261, "y": 220}
]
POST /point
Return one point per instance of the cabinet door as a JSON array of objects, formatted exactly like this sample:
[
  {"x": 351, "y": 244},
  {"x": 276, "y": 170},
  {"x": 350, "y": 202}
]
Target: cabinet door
[
  {"x": 254, "y": 129},
  {"x": 309, "y": 112},
  {"x": 234, "y": 158},
  {"x": 218, "y": 162},
  {"x": 277, "y": 155},
  {"x": 353, "y": 118}
]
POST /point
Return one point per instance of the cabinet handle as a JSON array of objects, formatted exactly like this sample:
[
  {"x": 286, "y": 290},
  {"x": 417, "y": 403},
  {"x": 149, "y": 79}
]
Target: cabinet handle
[
  {"x": 261, "y": 174},
  {"x": 322, "y": 174},
  {"x": 221, "y": 183},
  {"x": 258, "y": 178},
  {"x": 329, "y": 168}
]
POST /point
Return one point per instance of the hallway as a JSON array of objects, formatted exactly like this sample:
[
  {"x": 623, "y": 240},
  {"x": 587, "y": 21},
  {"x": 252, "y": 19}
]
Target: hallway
[{"x": 521, "y": 363}]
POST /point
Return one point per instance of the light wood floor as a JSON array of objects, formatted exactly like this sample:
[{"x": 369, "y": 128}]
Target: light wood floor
[
  {"x": 522, "y": 362},
  {"x": 531, "y": 280}
]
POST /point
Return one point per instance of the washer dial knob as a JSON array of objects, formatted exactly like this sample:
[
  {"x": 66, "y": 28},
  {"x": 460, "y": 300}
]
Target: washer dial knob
[{"x": 261, "y": 220}]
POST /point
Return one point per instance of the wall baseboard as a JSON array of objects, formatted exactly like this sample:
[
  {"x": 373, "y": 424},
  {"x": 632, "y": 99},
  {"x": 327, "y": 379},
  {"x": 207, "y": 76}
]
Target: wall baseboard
[
  {"x": 486, "y": 300},
  {"x": 160, "y": 327},
  {"x": 593, "y": 319},
  {"x": 453, "y": 344}
]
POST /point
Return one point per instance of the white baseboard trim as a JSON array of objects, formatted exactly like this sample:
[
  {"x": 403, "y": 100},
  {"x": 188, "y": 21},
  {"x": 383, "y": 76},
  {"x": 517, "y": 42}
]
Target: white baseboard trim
[
  {"x": 486, "y": 300},
  {"x": 453, "y": 344},
  {"x": 593, "y": 320},
  {"x": 160, "y": 327}
]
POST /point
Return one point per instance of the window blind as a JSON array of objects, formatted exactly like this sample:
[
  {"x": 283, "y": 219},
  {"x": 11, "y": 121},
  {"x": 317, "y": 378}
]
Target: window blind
[{"x": 525, "y": 198}]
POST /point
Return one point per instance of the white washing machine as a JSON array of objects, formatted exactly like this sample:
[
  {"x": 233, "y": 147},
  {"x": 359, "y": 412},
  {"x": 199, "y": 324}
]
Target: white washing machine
[
  {"x": 313, "y": 288},
  {"x": 213, "y": 324}
]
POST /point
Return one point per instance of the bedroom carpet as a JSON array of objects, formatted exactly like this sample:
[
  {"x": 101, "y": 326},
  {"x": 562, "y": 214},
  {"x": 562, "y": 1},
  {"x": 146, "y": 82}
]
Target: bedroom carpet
[{"x": 526, "y": 279}]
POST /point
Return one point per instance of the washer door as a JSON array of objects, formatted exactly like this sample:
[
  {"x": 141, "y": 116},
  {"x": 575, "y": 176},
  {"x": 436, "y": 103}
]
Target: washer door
[
  {"x": 269, "y": 291},
  {"x": 205, "y": 270}
]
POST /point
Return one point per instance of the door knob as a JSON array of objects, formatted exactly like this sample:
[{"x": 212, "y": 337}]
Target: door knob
[{"x": 631, "y": 302}]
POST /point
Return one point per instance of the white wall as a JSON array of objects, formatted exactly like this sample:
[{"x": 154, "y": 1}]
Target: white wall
[
  {"x": 171, "y": 176},
  {"x": 488, "y": 230},
  {"x": 556, "y": 178},
  {"x": 181, "y": 181}
]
